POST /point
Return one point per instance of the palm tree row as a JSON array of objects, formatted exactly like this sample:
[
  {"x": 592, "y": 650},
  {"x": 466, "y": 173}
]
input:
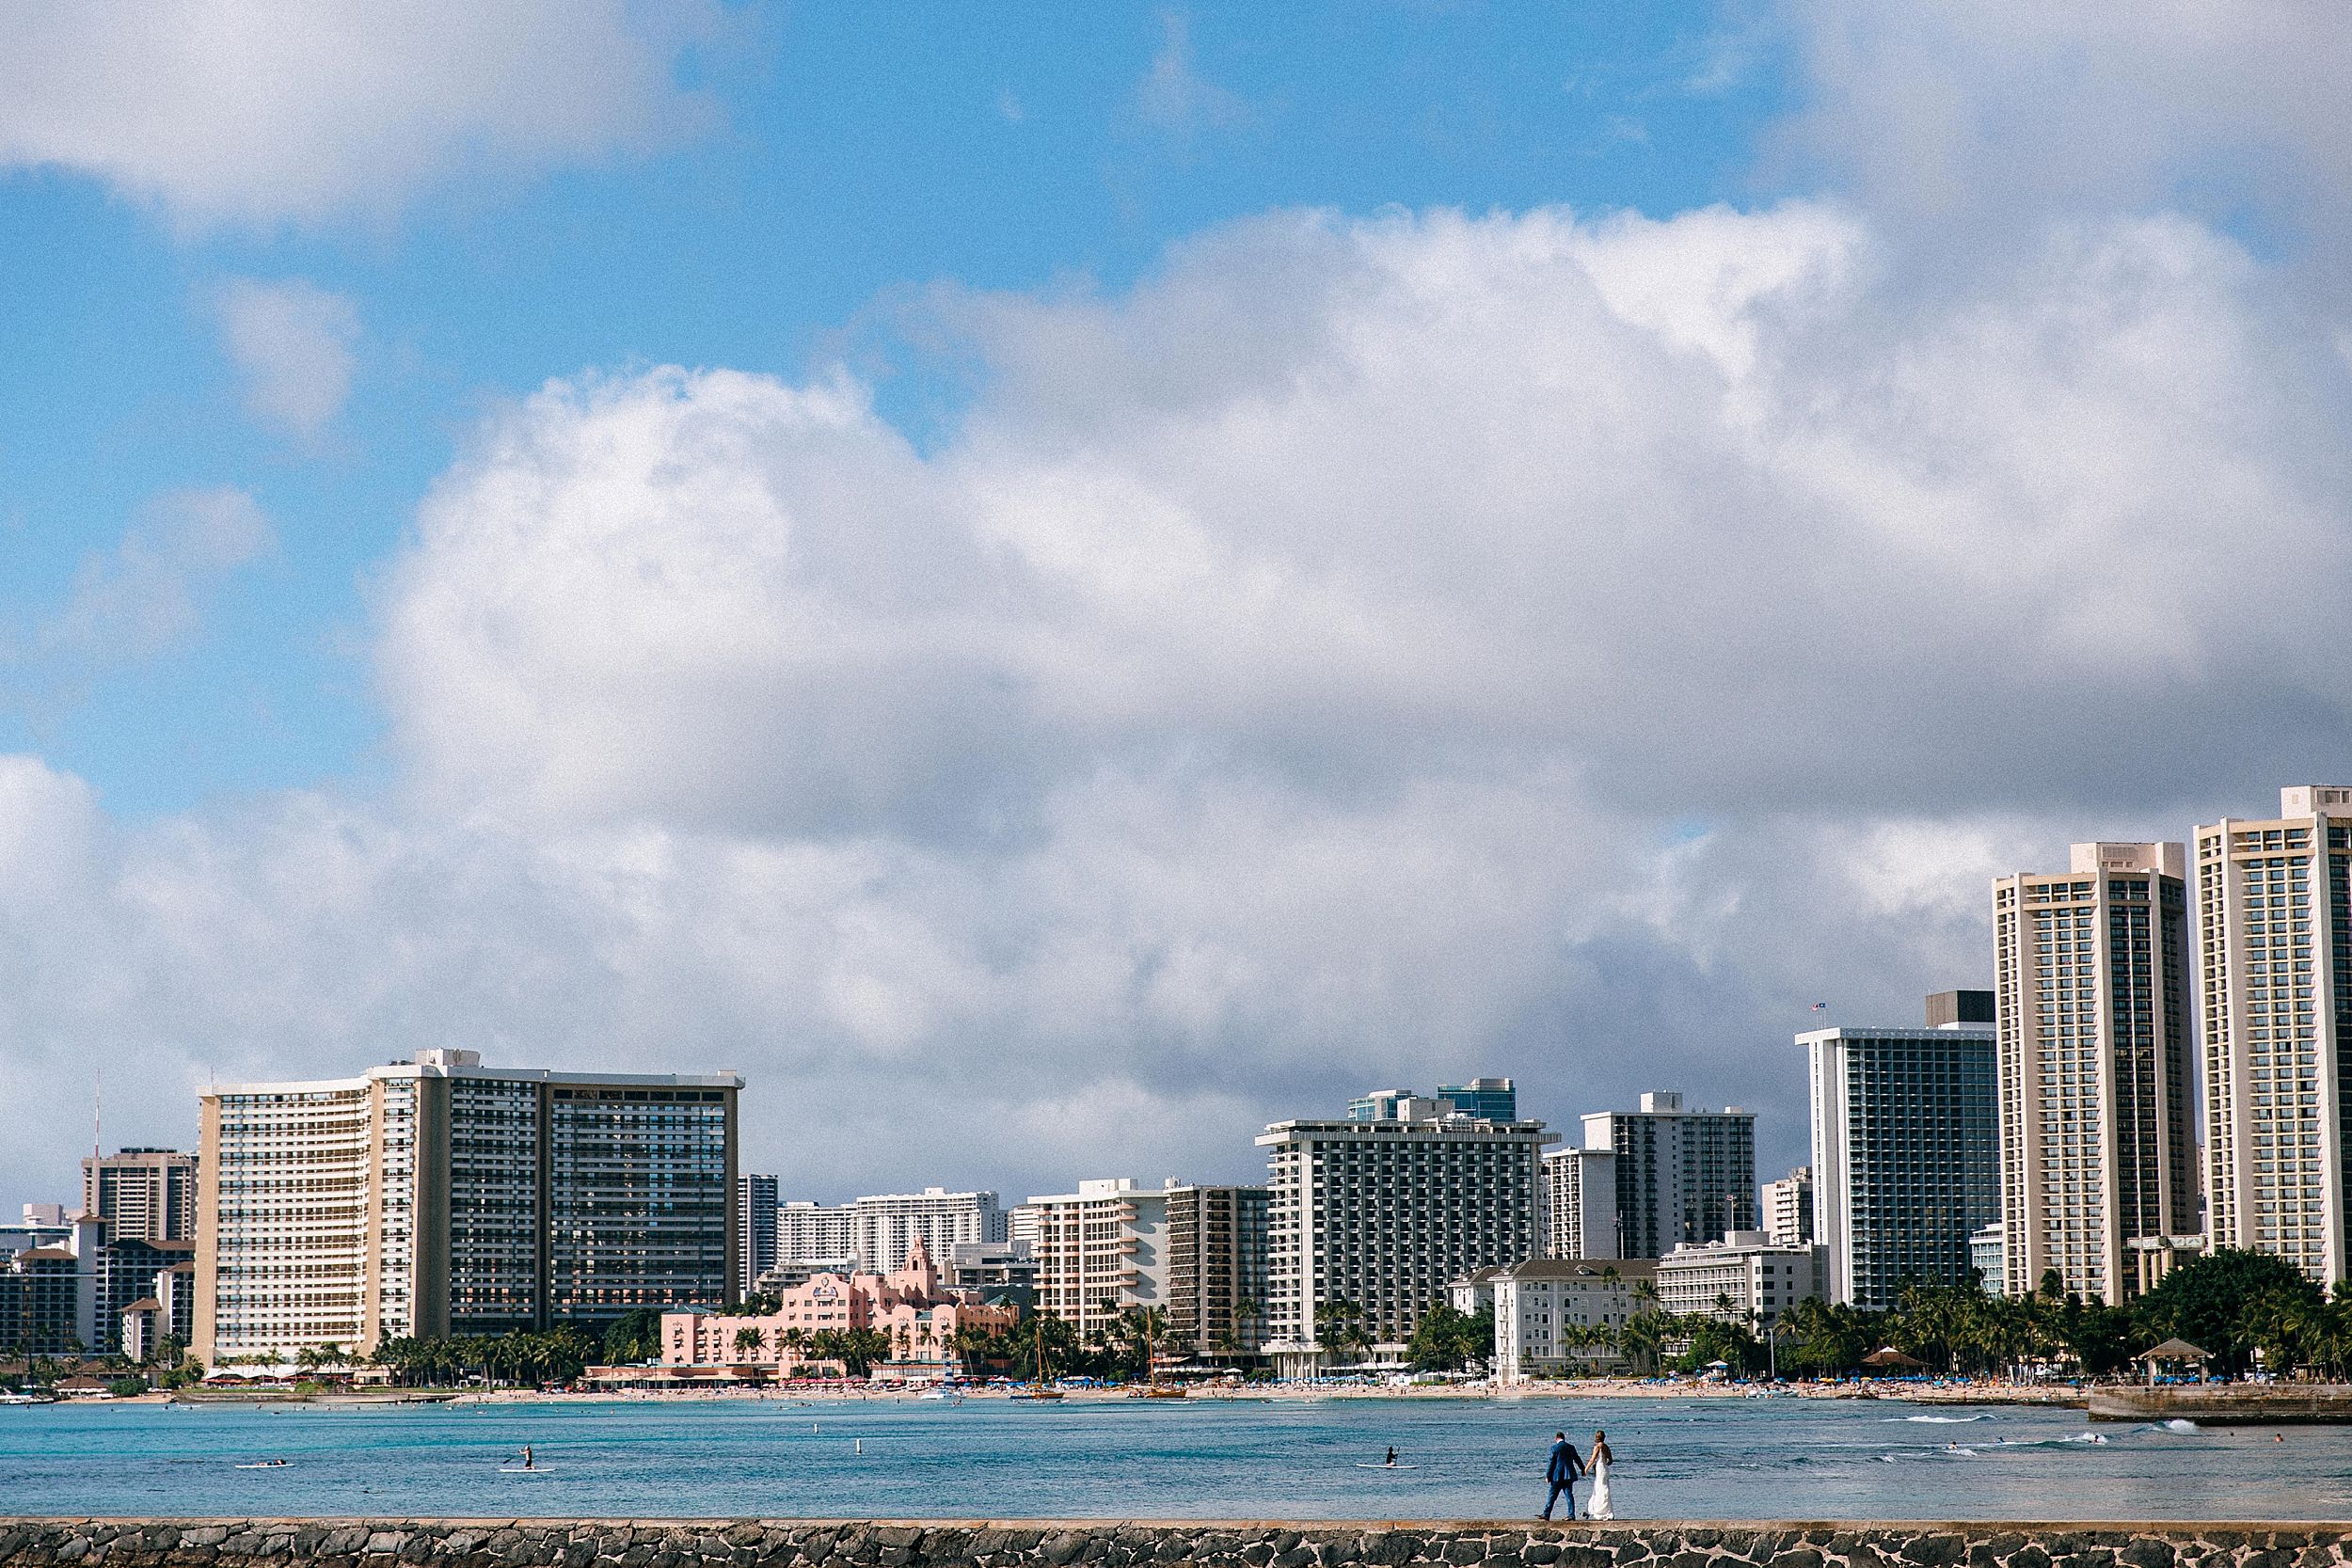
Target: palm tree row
[{"x": 525, "y": 1357}]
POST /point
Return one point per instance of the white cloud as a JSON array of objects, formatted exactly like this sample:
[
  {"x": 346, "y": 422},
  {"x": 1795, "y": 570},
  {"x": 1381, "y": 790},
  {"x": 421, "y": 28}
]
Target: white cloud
[
  {"x": 232, "y": 111},
  {"x": 2001, "y": 110},
  {"x": 1367, "y": 651},
  {"x": 291, "y": 341},
  {"x": 1174, "y": 96},
  {"x": 144, "y": 597}
]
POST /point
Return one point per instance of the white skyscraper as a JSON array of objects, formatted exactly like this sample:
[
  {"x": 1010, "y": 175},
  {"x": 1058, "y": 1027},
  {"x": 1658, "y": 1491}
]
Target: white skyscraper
[
  {"x": 1788, "y": 1209},
  {"x": 2094, "y": 1065},
  {"x": 1906, "y": 1138},
  {"x": 2274, "y": 959},
  {"x": 1579, "y": 1203}
]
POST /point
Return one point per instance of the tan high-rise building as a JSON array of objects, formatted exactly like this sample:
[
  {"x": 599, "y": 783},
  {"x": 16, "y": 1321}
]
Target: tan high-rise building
[
  {"x": 146, "y": 1195},
  {"x": 1099, "y": 1250},
  {"x": 2094, "y": 1059},
  {"x": 440, "y": 1196},
  {"x": 2274, "y": 963}
]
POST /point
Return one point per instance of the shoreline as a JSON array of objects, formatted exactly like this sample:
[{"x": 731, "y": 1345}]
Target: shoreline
[{"x": 1582, "y": 1389}]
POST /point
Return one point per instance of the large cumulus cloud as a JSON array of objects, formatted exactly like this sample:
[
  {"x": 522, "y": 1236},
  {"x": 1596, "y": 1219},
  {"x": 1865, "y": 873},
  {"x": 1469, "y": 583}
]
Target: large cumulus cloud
[{"x": 1367, "y": 651}]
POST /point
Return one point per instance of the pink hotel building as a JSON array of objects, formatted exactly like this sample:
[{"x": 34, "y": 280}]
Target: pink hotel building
[{"x": 909, "y": 1306}]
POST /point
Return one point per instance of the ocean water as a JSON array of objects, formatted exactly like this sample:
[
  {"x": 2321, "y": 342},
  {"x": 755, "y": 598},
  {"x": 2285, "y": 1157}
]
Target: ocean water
[{"x": 1676, "y": 1457}]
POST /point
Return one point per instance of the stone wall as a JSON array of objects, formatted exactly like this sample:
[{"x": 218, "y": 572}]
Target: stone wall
[{"x": 1041, "y": 1544}]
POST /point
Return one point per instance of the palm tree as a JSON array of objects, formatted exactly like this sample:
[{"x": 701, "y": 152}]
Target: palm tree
[
  {"x": 1340, "y": 1327},
  {"x": 749, "y": 1342}
]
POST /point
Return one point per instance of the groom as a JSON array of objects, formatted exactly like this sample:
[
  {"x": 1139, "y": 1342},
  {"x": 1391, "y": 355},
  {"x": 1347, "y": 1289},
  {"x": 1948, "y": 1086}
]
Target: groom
[{"x": 1561, "y": 1473}]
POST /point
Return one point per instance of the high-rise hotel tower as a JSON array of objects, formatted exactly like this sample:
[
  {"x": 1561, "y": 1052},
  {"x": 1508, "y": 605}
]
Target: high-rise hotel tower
[
  {"x": 2274, "y": 959},
  {"x": 440, "y": 1196},
  {"x": 2094, "y": 1053}
]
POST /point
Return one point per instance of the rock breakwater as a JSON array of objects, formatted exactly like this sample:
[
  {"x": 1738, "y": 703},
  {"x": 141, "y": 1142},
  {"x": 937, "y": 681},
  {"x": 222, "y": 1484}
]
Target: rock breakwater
[{"x": 1060, "y": 1544}]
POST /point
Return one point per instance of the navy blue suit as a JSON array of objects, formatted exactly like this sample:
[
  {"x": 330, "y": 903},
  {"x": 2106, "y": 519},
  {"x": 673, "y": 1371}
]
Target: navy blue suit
[{"x": 1561, "y": 1473}]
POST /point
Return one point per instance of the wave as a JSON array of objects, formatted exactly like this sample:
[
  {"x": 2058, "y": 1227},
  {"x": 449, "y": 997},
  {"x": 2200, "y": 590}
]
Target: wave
[{"x": 1941, "y": 1420}]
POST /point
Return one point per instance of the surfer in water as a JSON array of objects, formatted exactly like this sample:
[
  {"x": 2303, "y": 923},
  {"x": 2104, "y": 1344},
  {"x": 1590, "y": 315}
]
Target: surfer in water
[
  {"x": 1390, "y": 1461},
  {"x": 529, "y": 1463}
]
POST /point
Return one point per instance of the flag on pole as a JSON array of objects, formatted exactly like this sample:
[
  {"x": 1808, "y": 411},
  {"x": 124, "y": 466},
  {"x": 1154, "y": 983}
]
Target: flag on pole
[{"x": 1821, "y": 1006}]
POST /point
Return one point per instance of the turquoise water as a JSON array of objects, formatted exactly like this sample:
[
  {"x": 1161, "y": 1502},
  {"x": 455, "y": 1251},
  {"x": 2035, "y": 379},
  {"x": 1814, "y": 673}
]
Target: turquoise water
[{"x": 1678, "y": 1458}]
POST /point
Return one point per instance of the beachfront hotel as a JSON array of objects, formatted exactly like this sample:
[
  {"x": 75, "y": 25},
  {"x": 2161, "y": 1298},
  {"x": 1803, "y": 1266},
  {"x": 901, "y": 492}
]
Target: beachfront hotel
[
  {"x": 2274, "y": 962},
  {"x": 440, "y": 1197},
  {"x": 1683, "y": 1175},
  {"x": 2094, "y": 1056},
  {"x": 910, "y": 1306},
  {"x": 1906, "y": 1144},
  {"x": 1555, "y": 1315},
  {"x": 1385, "y": 1213},
  {"x": 1744, "y": 1278}
]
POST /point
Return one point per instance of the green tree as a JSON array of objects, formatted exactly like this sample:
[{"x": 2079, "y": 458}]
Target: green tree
[
  {"x": 2205, "y": 1301},
  {"x": 634, "y": 1337},
  {"x": 1447, "y": 1338},
  {"x": 1340, "y": 1329}
]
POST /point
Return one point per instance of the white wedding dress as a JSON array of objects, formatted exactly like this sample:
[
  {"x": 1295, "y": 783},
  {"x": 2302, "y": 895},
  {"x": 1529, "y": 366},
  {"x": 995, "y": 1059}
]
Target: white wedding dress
[{"x": 1599, "y": 1506}]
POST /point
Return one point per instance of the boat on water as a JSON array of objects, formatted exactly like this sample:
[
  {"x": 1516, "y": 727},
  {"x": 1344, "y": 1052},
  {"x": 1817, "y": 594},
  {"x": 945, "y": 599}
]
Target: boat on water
[{"x": 38, "y": 1396}]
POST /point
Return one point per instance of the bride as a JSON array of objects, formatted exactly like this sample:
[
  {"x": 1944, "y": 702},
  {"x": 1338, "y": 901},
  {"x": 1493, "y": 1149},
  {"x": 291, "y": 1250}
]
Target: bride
[{"x": 1599, "y": 1507}]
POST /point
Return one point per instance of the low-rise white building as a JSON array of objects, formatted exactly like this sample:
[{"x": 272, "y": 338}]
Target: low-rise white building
[
  {"x": 1757, "y": 1279},
  {"x": 1547, "y": 1310}
]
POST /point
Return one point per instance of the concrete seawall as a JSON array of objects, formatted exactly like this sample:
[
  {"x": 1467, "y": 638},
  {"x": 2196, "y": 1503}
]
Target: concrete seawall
[
  {"x": 2227, "y": 1403},
  {"x": 1057, "y": 1543}
]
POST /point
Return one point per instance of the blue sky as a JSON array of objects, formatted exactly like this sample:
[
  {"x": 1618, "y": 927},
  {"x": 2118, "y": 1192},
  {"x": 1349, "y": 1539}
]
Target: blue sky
[
  {"x": 848, "y": 160},
  {"x": 1055, "y": 584}
]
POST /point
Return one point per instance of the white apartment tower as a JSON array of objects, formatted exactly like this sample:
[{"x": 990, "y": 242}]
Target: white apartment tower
[
  {"x": 1788, "y": 1209},
  {"x": 2274, "y": 962},
  {"x": 1580, "y": 1202},
  {"x": 1385, "y": 1213},
  {"x": 2094, "y": 1057}
]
